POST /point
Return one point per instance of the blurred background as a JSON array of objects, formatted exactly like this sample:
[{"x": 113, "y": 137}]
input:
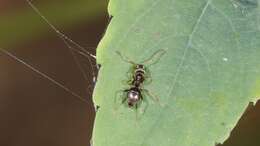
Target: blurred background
[{"x": 34, "y": 111}]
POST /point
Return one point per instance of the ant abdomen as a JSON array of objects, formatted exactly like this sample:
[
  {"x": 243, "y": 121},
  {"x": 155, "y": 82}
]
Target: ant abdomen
[{"x": 133, "y": 96}]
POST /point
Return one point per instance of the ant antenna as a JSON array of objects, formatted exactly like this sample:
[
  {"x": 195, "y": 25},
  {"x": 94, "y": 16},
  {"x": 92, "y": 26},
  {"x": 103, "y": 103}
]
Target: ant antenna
[
  {"x": 60, "y": 34},
  {"x": 155, "y": 57},
  {"x": 150, "y": 61},
  {"x": 126, "y": 59},
  {"x": 43, "y": 75}
]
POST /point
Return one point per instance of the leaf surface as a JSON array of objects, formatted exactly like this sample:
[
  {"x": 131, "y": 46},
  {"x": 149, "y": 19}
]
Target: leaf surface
[{"x": 205, "y": 81}]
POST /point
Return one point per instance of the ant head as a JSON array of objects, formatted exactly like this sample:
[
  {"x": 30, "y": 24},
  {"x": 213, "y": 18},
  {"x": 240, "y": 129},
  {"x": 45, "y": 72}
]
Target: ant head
[{"x": 139, "y": 66}]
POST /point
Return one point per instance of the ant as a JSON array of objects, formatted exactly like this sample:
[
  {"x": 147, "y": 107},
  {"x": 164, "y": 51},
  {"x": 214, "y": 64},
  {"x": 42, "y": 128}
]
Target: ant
[{"x": 133, "y": 96}]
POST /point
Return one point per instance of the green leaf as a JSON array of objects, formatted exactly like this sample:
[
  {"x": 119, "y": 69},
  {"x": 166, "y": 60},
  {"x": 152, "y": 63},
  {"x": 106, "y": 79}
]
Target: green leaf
[{"x": 205, "y": 81}]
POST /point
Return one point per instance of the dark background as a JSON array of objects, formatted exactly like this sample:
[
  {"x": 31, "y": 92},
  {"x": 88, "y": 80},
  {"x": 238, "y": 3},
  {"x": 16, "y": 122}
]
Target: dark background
[{"x": 35, "y": 112}]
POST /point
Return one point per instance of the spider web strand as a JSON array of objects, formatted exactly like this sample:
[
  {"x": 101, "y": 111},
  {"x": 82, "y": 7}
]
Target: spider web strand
[
  {"x": 44, "y": 75},
  {"x": 60, "y": 34}
]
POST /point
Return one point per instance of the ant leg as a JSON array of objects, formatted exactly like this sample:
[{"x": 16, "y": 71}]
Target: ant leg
[
  {"x": 118, "y": 95},
  {"x": 155, "y": 98},
  {"x": 148, "y": 80},
  {"x": 146, "y": 104},
  {"x": 148, "y": 77},
  {"x": 136, "y": 112},
  {"x": 128, "y": 82},
  {"x": 129, "y": 74},
  {"x": 125, "y": 97}
]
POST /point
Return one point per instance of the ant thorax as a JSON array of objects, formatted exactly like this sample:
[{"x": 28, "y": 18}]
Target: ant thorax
[{"x": 139, "y": 75}]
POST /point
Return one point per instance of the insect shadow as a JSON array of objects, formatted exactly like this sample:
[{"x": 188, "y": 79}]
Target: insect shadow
[{"x": 138, "y": 76}]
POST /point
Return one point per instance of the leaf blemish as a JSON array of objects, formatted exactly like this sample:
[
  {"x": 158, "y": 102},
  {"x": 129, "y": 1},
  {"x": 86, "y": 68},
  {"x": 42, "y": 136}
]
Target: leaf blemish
[
  {"x": 245, "y": 5},
  {"x": 248, "y": 3},
  {"x": 97, "y": 107},
  {"x": 138, "y": 30},
  {"x": 157, "y": 35},
  {"x": 225, "y": 59}
]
